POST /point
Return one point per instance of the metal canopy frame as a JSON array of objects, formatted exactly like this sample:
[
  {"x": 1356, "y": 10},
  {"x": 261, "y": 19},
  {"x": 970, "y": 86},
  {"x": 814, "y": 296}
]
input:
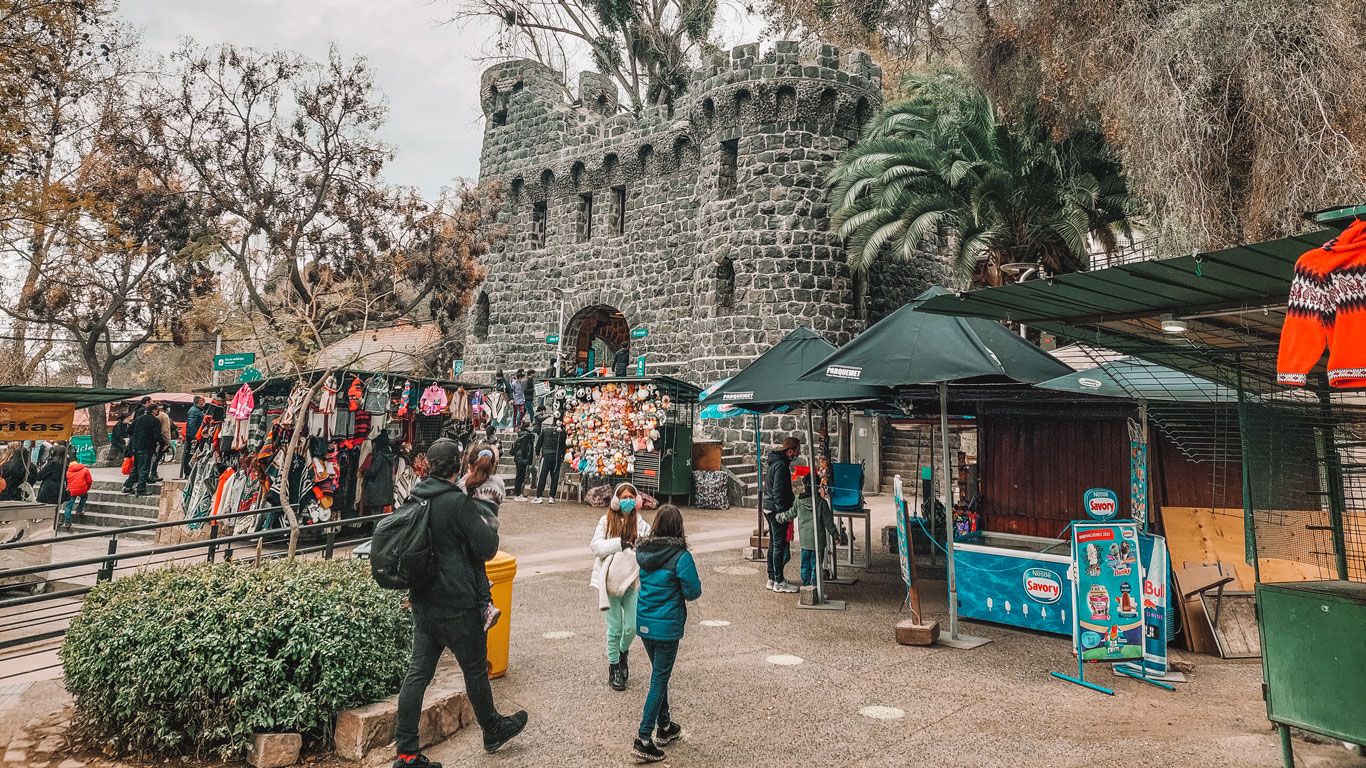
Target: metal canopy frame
[{"x": 83, "y": 397}]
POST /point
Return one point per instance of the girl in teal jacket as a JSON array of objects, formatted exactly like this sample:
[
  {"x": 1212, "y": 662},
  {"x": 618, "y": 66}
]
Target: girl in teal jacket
[{"x": 668, "y": 580}]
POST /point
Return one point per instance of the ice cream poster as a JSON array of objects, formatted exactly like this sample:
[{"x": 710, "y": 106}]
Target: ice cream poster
[{"x": 1107, "y": 622}]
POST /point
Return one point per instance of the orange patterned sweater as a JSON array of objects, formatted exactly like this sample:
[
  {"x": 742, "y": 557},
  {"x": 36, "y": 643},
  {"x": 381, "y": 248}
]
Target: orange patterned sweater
[{"x": 1327, "y": 309}]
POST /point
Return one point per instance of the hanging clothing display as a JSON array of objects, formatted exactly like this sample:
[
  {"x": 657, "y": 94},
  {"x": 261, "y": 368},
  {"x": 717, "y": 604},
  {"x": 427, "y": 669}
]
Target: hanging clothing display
[
  {"x": 1327, "y": 309},
  {"x": 608, "y": 424},
  {"x": 460, "y": 405},
  {"x": 433, "y": 401},
  {"x": 377, "y": 394},
  {"x": 405, "y": 399},
  {"x": 355, "y": 394},
  {"x": 499, "y": 409}
]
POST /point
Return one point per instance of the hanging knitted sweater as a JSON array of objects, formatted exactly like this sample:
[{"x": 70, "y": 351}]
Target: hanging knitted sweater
[
  {"x": 1327, "y": 309},
  {"x": 433, "y": 400}
]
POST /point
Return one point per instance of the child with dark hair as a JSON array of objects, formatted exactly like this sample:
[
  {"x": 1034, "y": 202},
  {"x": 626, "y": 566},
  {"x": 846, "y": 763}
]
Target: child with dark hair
[
  {"x": 481, "y": 483},
  {"x": 668, "y": 581}
]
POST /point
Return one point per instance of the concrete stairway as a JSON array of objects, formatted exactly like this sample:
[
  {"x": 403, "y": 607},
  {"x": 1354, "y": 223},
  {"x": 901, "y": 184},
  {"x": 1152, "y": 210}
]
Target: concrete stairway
[
  {"x": 109, "y": 507},
  {"x": 745, "y": 483},
  {"x": 903, "y": 452}
]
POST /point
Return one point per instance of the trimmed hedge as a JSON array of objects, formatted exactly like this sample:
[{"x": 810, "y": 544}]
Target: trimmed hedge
[{"x": 195, "y": 659}]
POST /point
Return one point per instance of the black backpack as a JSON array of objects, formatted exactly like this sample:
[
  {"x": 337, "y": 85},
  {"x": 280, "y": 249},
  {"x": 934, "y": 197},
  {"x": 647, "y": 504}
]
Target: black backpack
[{"x": 401, "y": 552}]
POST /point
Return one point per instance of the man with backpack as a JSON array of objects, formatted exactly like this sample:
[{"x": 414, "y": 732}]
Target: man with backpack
[{"x": 446, "y": 606}]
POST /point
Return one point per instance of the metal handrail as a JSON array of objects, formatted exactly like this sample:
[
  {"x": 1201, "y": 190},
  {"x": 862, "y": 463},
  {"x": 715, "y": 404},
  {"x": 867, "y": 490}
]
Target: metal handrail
[
  {"x": 134, "y": 528},
  {"x": 215, "y": 541}
]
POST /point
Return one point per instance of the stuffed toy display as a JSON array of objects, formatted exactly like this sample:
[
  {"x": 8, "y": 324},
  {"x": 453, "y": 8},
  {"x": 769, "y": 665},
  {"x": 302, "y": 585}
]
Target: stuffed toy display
[{"x": 608, "y": 424}]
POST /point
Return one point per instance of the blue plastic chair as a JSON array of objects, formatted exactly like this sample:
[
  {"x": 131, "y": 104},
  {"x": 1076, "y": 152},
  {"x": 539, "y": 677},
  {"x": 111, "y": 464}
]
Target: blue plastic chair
[{"x": 846, "y": 491}]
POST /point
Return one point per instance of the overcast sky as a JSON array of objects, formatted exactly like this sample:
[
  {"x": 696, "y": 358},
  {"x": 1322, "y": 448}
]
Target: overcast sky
[{"x": 427, "y": 69}]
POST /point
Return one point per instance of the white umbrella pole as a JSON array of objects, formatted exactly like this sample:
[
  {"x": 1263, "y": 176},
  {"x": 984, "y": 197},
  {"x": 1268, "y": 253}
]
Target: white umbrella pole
[{"x": 946, "y": 486}]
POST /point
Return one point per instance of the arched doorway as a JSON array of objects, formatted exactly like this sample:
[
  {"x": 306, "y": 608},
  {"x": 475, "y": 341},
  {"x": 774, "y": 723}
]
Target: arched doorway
[{"x": 593, "y": 336}]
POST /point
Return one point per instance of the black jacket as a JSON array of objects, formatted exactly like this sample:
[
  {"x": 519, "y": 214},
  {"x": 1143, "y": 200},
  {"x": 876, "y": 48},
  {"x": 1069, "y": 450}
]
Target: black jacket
[
  {"x": 145, "y": 434},
  {"x": 619, "y": 362},
  {"x": 15, "y": 472},
  {"x": 465, "y": 537},
  {"x": 192, "y": 422},
  {"x": 50, "y": 476},
  {"x": 379, "y": 481},
  {"x": 778, "y": 495},
  {"x": 118, "y": 438},
  {"x": 524, "y": 450},
  {"x": 550, "y": 441}
]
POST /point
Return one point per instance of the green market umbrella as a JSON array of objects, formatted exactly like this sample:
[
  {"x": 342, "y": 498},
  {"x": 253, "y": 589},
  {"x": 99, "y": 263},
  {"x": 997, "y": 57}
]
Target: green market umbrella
[
  {"x": 1137, "y": 379},
  {"x": 910, "y": 347},
  {"x": 772, "y": 380}
]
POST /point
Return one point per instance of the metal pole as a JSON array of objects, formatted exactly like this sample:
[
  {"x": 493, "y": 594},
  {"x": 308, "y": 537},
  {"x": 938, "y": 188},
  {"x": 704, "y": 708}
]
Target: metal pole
[
  {"x": 107, "y": 570},
  {"x": 1147, "y": 467},
  {"x": 1337, "y": 502},
  {"x": 946, "y": 486},
  {"x": 1244, "y": 446},
  {"x": 759, "y": 467},
  {"x": 815, "y": 490},
  {"x": 217, "y": 350}
]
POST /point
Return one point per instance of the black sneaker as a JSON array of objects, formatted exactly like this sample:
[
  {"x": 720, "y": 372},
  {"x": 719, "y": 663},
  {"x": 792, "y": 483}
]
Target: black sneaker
[
  {"x": 646, "y": 751},
  {"x": 615, "y": 678},
  {"x": 420, "y": 761},
  {"x": 668, "y": 734},
  {"x": 504, "y": 731}
]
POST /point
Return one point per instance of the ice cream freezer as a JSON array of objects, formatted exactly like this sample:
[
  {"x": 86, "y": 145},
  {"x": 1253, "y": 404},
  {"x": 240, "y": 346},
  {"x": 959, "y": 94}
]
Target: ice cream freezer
[{"x": 1019, "y": 581}]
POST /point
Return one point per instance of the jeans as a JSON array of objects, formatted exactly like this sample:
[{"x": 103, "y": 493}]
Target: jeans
[
  {"x": 142, "y": 467},
  {"x": 523, "y": 470},
  {"x": 662, "y": 654},
  {"x": 550, "y": 467},
  {"x": 779, "y": 548},
  {"x": 465, "y": 638},
  {"x": 518, "y": 413},
  {"x": 808, "y": 567},
  {"x": 75, "y": 501},
  {"x": 621, "y": 623},
  {"x": 185, "y": 459}
]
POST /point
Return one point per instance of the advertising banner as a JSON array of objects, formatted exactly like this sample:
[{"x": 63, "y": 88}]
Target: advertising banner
[
  {"x": 1156, "y": 569},
  {"x": 1108, "y": 596},
  {"x": 36, "y": 421},
  {"x": 903, "y": 536},
  {"x": 1138, "y": 476}
]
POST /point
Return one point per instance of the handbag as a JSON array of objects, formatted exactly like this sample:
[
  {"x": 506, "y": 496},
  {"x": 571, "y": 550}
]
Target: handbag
[
  {"x": 127, "y": 467},
  {"x": 622, "y": 572}
]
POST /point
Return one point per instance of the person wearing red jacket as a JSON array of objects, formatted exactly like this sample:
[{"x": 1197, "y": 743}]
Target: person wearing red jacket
[
  {"x": 1327, "y": 309},
  {"x": 78, "y": 484}
]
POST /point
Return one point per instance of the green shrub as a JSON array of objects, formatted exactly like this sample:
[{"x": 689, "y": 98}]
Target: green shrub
[{"x": 196, "y": 659}]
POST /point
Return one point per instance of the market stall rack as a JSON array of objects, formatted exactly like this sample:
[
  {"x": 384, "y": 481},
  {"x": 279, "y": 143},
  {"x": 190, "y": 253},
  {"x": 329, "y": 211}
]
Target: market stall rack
[
  {"x": 1297, "y": 532},
  {"x": 628, "y": 428},
  {"x": 341, "y": 417}
]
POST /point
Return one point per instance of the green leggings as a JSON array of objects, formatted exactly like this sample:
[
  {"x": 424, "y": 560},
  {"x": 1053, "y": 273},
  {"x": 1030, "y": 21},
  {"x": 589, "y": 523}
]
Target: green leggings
[{"x": 621, "y": 623}]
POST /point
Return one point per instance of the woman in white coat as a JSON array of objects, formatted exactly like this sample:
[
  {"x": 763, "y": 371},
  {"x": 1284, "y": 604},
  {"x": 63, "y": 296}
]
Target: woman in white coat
[{"x": 616, "y": 576}]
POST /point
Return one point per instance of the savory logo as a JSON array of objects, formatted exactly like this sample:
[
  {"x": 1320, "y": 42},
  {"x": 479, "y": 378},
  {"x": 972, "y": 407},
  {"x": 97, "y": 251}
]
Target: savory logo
[{"x": 1042, "y": 585}]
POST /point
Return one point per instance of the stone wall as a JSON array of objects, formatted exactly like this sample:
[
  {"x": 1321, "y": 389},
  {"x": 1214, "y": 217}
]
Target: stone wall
[{"x": 723, "y": 245}]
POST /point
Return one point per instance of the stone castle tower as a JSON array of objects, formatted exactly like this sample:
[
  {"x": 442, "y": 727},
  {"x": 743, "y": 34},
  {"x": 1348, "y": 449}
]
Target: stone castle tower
[{"x": 705, "y": 224}]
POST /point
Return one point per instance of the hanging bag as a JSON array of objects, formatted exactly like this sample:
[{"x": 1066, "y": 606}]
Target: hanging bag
[{"x": 127, "y": 467}]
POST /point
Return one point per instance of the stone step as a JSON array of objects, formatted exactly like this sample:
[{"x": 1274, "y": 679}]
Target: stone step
[
  {"x": 130, "y": 506},
  {"x": 121, "y": 499},
  {"x": 103, "y": 518},
  {"x": 136, "y": 535}
]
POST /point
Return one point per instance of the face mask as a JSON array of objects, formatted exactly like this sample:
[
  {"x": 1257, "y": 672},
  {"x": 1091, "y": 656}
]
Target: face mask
[{"x": 627, "y": 506}]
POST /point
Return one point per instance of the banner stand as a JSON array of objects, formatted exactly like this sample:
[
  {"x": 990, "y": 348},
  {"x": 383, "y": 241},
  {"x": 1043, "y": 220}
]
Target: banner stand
[{"x": 1081, "y": 680}]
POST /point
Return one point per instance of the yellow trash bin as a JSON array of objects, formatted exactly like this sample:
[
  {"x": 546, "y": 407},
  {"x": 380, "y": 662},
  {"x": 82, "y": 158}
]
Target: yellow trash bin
[{"x": 501, "y": 569}]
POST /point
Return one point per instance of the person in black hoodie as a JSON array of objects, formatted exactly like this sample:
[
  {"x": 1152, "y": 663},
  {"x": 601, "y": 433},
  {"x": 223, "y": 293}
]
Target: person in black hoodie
[
  {"x": 778, "y": 502},
  {"x": 144, "y": 440},
  {"x": 523, "y": 455},
  {"x": 15, "y": 471},
  {"x": 550, "y": 447},
  {"x": 447, "y": 612}
]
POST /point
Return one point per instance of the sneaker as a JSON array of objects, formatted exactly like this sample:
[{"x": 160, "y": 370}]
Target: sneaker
[
  {"x": 625, "y": 666},
  {"x": 667, "y": 734},
  {"x": 783, "y": 586},
  {"x": 520, "y": 498},
  {"x": 504, "y": 731},
  {"x": 538, "y": 500},
  {"x": 769, "y": 585},
  {"x": 491, "y": 616},
  {"x": 552, "y": 500},
  {"x": 645, "y": 751},
  {"x": 420, "y": 761},
  {"x": 614, "y": 677}
]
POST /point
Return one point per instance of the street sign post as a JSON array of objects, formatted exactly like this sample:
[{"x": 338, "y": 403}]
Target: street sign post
[
  {"x": 640, "y": 333},
  {"x": 233, "y": 362},
  {"x": 457, "y": 368},
  {"x": 552, "y": 339},
  {"x": 640, "y": 365}
]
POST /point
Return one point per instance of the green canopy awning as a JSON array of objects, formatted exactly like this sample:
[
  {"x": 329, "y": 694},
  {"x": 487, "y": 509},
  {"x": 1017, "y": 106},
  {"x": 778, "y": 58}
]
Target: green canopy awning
[
  {"x": 1136, "y": 379},
  {"x": 911, "y": 347},
  {"x": 83, "y": 397},
  {"x": 772, "y": 379}
]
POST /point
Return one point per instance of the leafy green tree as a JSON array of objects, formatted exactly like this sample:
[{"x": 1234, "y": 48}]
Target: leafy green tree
[{"x": 942, "y": 171}]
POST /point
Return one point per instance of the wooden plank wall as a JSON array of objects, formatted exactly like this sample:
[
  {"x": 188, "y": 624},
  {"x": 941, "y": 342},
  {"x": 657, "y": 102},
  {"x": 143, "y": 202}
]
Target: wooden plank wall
[{"x": 1033, "y": 471}]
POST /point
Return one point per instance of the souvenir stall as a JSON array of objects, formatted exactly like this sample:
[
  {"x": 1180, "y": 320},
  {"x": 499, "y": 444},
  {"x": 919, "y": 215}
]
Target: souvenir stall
[
  {"x": 344, "y": 416},
  {"x": 1279, "y": 551},
  {"x": 631, "y": 428}
]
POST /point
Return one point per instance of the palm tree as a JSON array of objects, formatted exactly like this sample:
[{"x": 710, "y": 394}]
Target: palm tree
[{"x": 941, "y": 170}]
